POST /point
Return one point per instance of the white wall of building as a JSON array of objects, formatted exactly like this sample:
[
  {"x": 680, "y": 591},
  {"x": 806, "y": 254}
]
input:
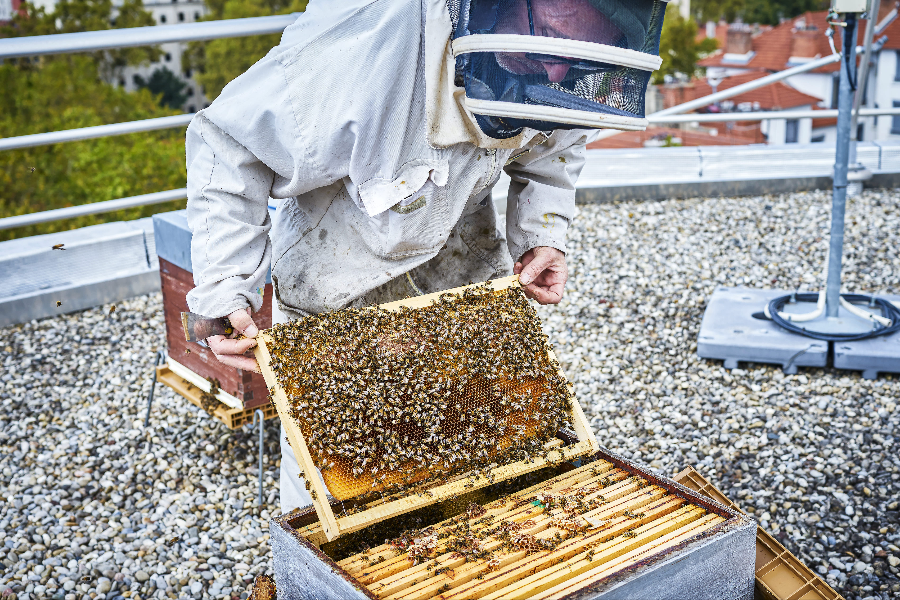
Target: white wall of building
[
  {"x": 887, "y": 91},
  {"x": 171, "y": 12},
  {"x": 814, "y": 84}
]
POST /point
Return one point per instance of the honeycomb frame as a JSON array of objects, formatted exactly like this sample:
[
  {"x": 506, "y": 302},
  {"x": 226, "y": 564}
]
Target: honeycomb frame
[{"x": 378, "y": 511}]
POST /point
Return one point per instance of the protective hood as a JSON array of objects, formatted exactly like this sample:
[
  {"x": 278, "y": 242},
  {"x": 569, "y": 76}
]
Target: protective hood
[{"x": 555, "y": 64}]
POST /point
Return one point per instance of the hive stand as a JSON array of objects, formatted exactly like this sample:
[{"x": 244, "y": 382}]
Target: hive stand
[
  {"x": 333, "y": 526},
  {"x": 729, "y": 332}
]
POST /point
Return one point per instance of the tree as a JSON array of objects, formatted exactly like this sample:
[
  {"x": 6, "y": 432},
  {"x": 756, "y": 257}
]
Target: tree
[
  {"x": 69, "y": 91},
  {"x": 70, "y": 16},
  {"x": 679, "y": 48},
  {"x": 767, "y": 12},
  {"x": 217, "y": 62},
  {"x": 166, "y": 85}
]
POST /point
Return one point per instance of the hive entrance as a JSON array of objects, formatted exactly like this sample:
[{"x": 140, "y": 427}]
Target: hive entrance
[{"x": 392, "y": 401}]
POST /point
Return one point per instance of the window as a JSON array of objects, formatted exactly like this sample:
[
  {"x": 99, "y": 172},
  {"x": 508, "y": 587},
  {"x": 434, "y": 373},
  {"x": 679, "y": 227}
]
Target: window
[
  {"x": 162, "y": 18},
  {"x": 191, "y": 108},
  {"x": 196, "y": 16},
  {"x": 895, "y": 120},
  {"x": 187, "y": 74},
  {"x": 190, "y": 92},
  {"x": 168, "y": 57},
  {"x": 791, "y": 131},
  {"x": 122, "y": 82},
  {"x": 818, "y": 138},
  {"x": 896, "y": 66},
  {"x": 181, "y": 17},
  {"x": 137, "y": 79}
]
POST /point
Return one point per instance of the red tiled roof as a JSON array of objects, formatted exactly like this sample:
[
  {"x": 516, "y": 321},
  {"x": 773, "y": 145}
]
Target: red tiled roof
[
  {"x": 893, "y": 30},
  {"x": 636, "y": 139},
  {"x": 776, "y": 96},
  {"x": 773, "y": 48}
]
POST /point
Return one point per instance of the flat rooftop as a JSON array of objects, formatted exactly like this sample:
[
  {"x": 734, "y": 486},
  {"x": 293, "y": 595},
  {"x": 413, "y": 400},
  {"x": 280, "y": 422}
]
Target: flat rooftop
[{"x": 169, "y": 511}]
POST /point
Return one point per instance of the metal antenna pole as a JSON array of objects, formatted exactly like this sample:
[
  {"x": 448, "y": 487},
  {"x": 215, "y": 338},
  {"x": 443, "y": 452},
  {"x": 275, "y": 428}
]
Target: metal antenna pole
[
  {"x": 863, "y": 83},
  {"x": 842, "y": 160}
]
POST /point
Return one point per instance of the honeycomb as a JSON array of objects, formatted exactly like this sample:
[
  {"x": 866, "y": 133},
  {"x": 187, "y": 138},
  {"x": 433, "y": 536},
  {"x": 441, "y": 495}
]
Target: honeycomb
[{"x": 389, "y": 401}]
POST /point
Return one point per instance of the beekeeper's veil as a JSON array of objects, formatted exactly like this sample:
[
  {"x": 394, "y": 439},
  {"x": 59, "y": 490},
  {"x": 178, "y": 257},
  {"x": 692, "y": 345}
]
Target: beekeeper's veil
[{"x": 556, "y": 64}]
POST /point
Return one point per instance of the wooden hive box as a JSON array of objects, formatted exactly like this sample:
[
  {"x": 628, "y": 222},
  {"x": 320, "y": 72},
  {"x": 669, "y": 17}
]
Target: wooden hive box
[
  {"x": 650, "y": 538},
  {"x": 240, "y": 390},
  {"x": 575, "y": 522}
]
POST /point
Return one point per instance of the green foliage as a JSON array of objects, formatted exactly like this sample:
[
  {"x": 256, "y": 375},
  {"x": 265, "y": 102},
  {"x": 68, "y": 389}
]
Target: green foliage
[
  {"x": 678, "y": 46},
  {"x": 217, "y": 62},
  {"x": 771, "y": 13},
  {"x": 70, "y": 16},
  {"x": 766, "y": 12},
  {"x": 166, "y": 85},
  {"x": 68, "y": 91}
]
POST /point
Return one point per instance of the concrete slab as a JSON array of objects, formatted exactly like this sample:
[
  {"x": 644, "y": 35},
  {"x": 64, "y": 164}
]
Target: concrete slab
[
  {"x": 729, "y": 332},
  {"x": 100, "y": 264},
  {"x": 872, "y": 357}
]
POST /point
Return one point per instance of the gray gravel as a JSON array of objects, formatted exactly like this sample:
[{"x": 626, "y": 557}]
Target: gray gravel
[
  {"x": 87, "y": 492},
  {"x": 814, "y": 456},
  {"x": 91, "y": 501}
]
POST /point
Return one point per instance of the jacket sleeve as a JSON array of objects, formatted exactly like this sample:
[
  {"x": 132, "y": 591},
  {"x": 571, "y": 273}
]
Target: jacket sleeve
[
  {"x": 241, "y": 150},
  {"x": 227, "y": 212},
  {"x": 541, "y": 199}
]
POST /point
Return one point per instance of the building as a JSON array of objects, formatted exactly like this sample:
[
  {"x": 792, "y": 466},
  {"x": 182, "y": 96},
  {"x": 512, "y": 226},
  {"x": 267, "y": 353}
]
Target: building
[
  {"x": 778, "y": 96},
  {"x": 803, "y": 39},
  {"x": 7, "y": 9},
  {"x": 171, "y": 12}
]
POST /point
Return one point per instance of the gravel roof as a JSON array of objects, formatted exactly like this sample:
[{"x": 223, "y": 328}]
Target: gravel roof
[{"x": 86, "y": 491}]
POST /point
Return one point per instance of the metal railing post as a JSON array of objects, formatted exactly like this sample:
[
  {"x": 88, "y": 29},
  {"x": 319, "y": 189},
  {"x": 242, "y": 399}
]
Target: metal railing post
[{"x": 262, "y": 431}]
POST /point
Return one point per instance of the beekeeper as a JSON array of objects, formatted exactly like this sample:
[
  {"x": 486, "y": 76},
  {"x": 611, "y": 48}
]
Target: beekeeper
[{"x": 378, "y": 128}]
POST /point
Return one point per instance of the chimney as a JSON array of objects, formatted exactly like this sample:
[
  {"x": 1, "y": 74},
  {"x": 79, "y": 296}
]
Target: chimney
[
  {"x": 739, "y": 39},
  {"x": 804, "y": 43}
]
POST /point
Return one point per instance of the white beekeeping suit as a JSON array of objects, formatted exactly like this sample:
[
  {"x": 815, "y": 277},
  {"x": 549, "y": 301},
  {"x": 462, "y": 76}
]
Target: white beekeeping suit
[{"x": 360, "y": 125}]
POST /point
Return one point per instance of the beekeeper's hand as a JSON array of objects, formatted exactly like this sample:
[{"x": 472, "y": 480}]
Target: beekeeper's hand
[
  {"x": 543, "y": 273},
  {"x": 231, "y": 351}
]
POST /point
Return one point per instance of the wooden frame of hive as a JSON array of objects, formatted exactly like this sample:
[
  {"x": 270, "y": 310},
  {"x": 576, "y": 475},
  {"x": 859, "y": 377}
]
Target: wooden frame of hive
[
  {"x": 332, "y": 526},
  {"x": 711, "y": 561}
]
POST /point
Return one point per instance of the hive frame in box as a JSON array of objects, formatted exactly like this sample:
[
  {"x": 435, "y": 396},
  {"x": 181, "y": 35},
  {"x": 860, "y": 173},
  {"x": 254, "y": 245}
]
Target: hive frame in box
[
  {"x": 333, "y": 526},
  {"x": 714, "y": 565},
  {"x": 779, "y": 574}
]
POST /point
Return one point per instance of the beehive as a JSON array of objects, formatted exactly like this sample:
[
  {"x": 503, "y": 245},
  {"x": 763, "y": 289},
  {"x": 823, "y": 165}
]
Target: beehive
[
  {"x": 408, "y": 403},
  {"x": 604, "y": 529}
]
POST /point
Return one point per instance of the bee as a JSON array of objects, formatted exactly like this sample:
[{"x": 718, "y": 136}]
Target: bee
[
  {"x": 56, "y": 246},
  {"x": 173, "y": 540},
  {"x": 58, "y": 303},
  {"x": 112, "y": 309},
  {"x": 86, "y": 579}
]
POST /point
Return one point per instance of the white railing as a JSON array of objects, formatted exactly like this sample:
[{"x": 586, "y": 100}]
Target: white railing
[
  {"x": 91, "y": 41},
  {"x": 147, "y": 36}
]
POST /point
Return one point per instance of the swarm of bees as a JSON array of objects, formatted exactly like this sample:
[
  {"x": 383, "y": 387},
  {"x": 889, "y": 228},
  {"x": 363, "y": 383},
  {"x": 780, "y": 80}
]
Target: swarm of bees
[
  {"x": 390, "y": 399},
  {"x": 208, "y": 400}
]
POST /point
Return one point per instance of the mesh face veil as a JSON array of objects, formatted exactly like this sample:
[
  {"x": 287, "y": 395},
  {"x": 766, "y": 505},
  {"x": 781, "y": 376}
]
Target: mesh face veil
[{"x": 556, "y": 64}]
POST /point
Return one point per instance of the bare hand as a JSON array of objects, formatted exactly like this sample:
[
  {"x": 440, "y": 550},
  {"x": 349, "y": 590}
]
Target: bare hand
[
  {"x": 543, "y": 273},
  {"x": 231, "y": 351}
]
